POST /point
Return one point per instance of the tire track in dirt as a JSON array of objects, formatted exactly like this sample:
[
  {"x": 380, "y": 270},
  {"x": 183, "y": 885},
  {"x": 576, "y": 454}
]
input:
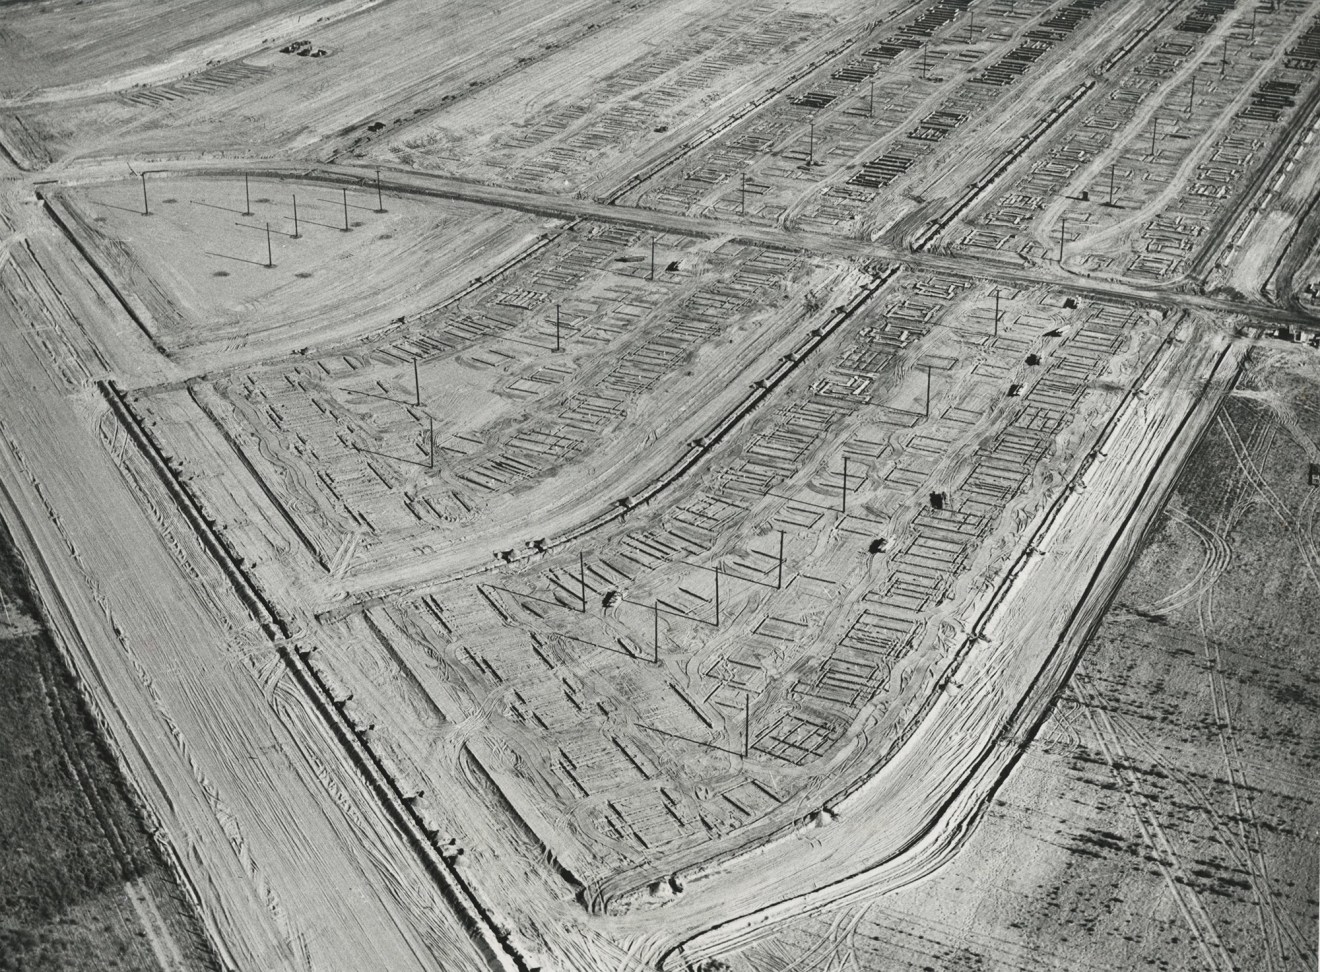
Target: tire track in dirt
[
  {"x": 949, "y": 823},
  {"x": 419, "y": 184},
  {"x": 1305, "y": 542},
  {"x": 1304, "y": 518},
  {"x": 153, "y": 826},
  {"x": 219, "y": 794},
  {"x": 1247, "y": 853},
  {"x": 1235, "y": 508},
  {"x": 934, "y": 230},
  {"x": 235, "y": 45},
  {"x": 1273, "y": 922},
  {"x": 1217, "y": 556},
  {"x": 163, "y": 944},
  {"x": 1165, "y": 858},
  {"x": 1003, "y": 952},
  {"x": 1132, "y": 741},
  {"x": 63, "y": 716}
]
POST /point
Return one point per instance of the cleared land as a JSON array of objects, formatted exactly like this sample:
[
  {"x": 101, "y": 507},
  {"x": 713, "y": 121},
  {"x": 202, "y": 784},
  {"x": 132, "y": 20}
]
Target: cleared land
[
  {"x": 192, "y": 722},
  {"x": 1166, "y": 807},
  {"x": 619, "y": 486},
  {"x": 84, "y": 888},
  {"x": 336, "y": 263}
]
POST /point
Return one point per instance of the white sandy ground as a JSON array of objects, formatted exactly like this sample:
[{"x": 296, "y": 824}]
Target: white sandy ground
[
  {"x": 1102, "y": 241},
  {"x": 749, "y": 884},
  {"x": 292, "y": 858},
  {"x": 419, "y": 62},
  {"x": 840, "y": 557},
  {"x": 192, "y": 55},
  {"x": 1209, "y": 780},
  {"x": 846, "y": 137},
  {"x": 1116, "y": 227},
  {"x": 195, "y": 270},
  {"x": 930, "y": 794},
  {"x": 928, "y": 801},
  {"x": 1273, "y": 253},
  {"x": 86, "y": 174}
]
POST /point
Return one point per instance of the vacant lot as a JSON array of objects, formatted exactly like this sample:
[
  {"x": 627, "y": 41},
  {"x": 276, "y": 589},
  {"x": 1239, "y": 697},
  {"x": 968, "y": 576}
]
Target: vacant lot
[
  {"x": 613, "y": 485},
  {"x": 1164, "y": 816}
]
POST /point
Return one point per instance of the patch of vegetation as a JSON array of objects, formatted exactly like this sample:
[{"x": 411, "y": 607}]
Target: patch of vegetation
[{"x": 69, "y": 836}]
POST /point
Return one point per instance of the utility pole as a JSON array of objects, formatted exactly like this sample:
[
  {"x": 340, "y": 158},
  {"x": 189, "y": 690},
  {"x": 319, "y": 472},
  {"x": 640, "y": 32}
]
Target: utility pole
[
  {"x": 270, "y": 259},
  {"x": 925, "y": 59},
  {"x": 295, "y": 215},
  {"x": 653, "y": 258},
  {"x": 656, "y": 642},
  {"x": 247, "y": 196},
  {"x": 747, "y": 723},
  {"x": 717, "y": 596},
  {"x": 1063, "y": 227},
  {"x": 996, "y": 312},
  {"x": 811, "y": 144},
  {"x": 557, "y": 348},
  {"x": 927, "y": 391},
  {"x": 582, "y": 580},
  {"x": 417, "y": 385},
  {"x": 1191, "y": 95},
  {"x": 380, "y": 202},
  {"x": 431, "y": 422},
  {"x": 1154, "y": 124},
  {"x": 870, "y": 111},
  {"x": 845, "y": 485},
  {"x": 345, "y": 209},
  {"x": 742, "y": 206},
  {"x": 1111, "y": 183},
  {"x": 779, "y": 581}
]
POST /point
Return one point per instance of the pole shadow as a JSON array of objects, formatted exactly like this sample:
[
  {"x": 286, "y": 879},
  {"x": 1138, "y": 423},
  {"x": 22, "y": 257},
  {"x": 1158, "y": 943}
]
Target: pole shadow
[
  {"x": 303, "y": 220},
  {"x": 122, "y": 209},
  {"x": 262, "y": 228},
  {"x": 384, "y": 398},
  {"x": 386, "y": 455},
  {"x": 223, "y": 209},
  {"x": 226, "y": 256}
]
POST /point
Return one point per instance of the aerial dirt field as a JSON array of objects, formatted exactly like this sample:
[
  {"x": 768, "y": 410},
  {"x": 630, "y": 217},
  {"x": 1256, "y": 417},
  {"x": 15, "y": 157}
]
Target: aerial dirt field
[
  {"x": 57, "y": 48},
  {"x": 84, "y": 888},
  {"x": 340, "y": 263},
  {"x": 1166, "y": 806},
  {"x": 801, "y": 484}
]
